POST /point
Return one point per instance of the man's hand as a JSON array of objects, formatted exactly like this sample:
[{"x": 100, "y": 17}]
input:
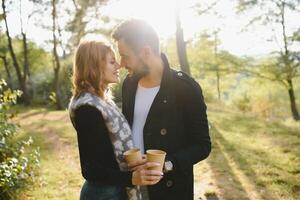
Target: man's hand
[{"x": 143, "y": 176}]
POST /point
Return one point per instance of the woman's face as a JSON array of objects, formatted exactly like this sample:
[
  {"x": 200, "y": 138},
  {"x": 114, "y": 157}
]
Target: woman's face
[{"x": 111, "y": 70}]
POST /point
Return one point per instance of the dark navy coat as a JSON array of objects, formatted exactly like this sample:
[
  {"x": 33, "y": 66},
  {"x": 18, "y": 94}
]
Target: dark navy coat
[{"x": 176, "y": 123}]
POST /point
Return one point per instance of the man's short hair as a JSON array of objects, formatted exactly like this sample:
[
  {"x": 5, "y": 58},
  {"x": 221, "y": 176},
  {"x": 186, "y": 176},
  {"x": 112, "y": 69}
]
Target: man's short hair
[{"x": 137, "y": 33}]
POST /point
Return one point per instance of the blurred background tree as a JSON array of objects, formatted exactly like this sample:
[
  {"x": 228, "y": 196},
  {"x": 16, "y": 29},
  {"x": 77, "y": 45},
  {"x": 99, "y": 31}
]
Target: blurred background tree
[
  {"x": 43, "y": 71},
  {"x": 283, "y": 64}
]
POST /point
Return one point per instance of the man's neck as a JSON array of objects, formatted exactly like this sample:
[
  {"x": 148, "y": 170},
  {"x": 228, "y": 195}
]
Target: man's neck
[{"x": 153, "y": 78}]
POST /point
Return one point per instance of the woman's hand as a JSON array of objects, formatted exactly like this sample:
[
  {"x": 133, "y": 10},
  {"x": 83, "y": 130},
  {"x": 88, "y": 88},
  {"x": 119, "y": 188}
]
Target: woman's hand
[
  {"x": 144, "y": 176},
  {"x": 132, "y": 166}
]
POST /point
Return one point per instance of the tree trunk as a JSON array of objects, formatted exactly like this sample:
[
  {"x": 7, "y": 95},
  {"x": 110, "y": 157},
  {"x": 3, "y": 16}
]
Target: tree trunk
[
  {"x": 294, "y": 109},
  {"x": 5, "y": 62},
  {"x": 78, "y": 25},
  {"x": 217, "y": 66},
  {"x": 25, "y": 48},
  {"x": 181, "y": 46},
  {"x": 287, "y": 62},
  {"x": 25, "y": 97},
  {"x": 218, "y": 84},
  {"x": 26, "y": 62},
  {"x": 64, "y": 55},
  {"x": 56, "y": 59}
]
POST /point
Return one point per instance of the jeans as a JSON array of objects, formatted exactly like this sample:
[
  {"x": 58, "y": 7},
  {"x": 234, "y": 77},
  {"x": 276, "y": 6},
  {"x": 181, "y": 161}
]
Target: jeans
[{"x": 94, "y": 191}]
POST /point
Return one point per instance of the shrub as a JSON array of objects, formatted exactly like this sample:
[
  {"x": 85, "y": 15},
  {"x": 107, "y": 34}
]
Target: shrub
[
  {"x": 17, "y": 162},
  {"x": 243, "y": 103},
  {"x": 262, "y": 107}
]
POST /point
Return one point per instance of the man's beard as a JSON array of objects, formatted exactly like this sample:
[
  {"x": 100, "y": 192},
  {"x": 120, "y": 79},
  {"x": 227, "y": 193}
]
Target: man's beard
[{"x": 143, "y": 70}]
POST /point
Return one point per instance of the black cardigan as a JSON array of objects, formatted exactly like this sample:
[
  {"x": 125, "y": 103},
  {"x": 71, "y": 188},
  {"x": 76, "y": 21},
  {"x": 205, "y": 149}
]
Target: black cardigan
[{"x": 97, "y": 158}]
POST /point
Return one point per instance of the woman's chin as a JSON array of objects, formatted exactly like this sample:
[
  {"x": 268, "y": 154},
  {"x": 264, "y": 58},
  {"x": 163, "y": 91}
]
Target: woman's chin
[
  {"x": 112, "y": 82},
  {"x": 117, "y": 80}
]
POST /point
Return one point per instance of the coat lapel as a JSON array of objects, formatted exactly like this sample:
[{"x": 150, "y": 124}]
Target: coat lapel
[
  {"x": 131, "y": 100},
  {"x": 162, "y": 98}
]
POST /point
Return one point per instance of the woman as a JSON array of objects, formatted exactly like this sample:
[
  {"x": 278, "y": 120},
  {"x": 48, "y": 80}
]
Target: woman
[{"x": 103, "y": 133}]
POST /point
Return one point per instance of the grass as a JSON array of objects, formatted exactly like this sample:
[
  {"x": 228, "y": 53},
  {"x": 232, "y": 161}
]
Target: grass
[
  {"x": 210, "y": 193},
  {"x": 252, "y": 158},
  {"x": 60, "y": 176}
]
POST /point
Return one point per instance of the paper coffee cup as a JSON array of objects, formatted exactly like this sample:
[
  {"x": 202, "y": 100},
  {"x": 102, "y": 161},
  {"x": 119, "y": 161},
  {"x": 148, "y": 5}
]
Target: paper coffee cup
[
  {"x": 132, "y": 155},
  {"x": 158, "y": 156}
]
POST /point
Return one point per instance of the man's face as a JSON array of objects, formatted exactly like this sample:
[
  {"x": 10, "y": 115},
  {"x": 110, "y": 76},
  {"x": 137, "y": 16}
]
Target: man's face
[{"x": 131, "y": 60}]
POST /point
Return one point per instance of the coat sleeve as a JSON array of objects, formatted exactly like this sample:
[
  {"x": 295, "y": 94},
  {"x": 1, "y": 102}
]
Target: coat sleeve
[
  {"x": 197, "y": 133},
  {"x": 92, "y": 137}
]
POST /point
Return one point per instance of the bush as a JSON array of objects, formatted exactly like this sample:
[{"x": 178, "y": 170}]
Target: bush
[
  {"x": 116, "y": 89},
  {"x": 262, "y": 107},
  {"x": 243, "y": 103},
  {"x": 17, "y": 162}
]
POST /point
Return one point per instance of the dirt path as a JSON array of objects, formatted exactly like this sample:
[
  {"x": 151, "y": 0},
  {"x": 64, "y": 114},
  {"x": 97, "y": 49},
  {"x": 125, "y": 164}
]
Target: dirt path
[
  {"x": 45, "y": 127},
  {"x": 217, "y": 178},
  {"x": 54, "y": 134},
  {"x": 59, "y": 176}
]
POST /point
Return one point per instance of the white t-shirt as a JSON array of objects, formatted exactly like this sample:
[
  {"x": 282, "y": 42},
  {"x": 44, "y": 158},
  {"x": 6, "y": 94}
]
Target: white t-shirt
[{"x": 143, "y": 101}]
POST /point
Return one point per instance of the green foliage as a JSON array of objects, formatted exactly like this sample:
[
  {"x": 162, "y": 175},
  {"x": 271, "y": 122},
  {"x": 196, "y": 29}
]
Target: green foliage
[
  {"x": 116, "y": 89},
  {"x": 170, "y": 48},
  {"x": 17, "y": 163},
  {"x": 52, "y": 98},
  {"x": 243, "y": 103},
  {"x": 65, "y": 80},
  {"x": 282, "y": 65},
  {"x": 208, "y": 65},
  {"x": 205, "y": 58}
]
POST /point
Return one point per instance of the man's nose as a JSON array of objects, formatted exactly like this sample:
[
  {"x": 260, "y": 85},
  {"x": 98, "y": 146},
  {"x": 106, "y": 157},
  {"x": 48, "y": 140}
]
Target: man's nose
[
  {"x": 122, "y": 63},
  {"x": 118, "y": 66}
]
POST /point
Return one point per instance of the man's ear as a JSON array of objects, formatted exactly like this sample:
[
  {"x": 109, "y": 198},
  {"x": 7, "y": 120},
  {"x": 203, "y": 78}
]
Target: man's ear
[{"x": 146, "y": 52}]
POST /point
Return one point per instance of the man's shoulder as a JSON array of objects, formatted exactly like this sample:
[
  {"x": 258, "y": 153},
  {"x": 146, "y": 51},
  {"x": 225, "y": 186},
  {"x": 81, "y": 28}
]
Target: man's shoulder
[
  {"x": 130, "y": 78},
  {"x": 183, "y": 79},
  {"x": 128, "y": 81},
  {"x": 127, "y": 78},
  {"x": 185, "y": 86}
]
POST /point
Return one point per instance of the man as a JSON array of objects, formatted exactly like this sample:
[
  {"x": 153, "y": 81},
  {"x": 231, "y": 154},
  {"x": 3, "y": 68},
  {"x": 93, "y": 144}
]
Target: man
[{"x": 165, "y": 109}]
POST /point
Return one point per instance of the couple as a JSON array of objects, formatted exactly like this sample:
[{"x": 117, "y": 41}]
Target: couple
[{"x": 162, "y": 109}]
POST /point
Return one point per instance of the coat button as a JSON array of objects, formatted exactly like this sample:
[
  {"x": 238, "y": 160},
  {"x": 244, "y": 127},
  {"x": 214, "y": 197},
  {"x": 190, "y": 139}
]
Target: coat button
[
  {"x": 165, "y": 101},
  {"x": 169, "y": 183},
  {"x": 163, "y": 131}
]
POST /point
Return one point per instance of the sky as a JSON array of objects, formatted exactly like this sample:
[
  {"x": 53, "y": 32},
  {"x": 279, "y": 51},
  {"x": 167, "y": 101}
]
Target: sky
[{"x": 161, "y": 14}]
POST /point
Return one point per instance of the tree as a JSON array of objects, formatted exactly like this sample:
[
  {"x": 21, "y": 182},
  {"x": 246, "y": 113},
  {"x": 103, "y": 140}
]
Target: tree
[
  {"x": 26, "y": 72},
  {"x": 180, "y": 42},
  {"x": 4, "y": 59},
  {"x": 217, "y": 70},
  {"x": 56, "y": 62},
  {"x": 21, "y": 76},
  {"x": 286, "y": 69},
  {"x": 209, "y": 61},
  {"x": 78, "y": 25},
  {"x": 75, "y": 19},
  {"x": 181, "y": 46}
]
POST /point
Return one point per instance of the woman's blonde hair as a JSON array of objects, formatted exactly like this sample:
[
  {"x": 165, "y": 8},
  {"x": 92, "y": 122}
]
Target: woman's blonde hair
[{"x": 88, "y": 67}]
